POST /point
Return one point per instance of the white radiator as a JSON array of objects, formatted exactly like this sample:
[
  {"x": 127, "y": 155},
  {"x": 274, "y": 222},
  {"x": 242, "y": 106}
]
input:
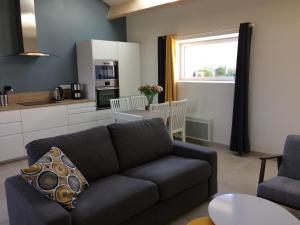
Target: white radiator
[{"x": 199, "y": 129}]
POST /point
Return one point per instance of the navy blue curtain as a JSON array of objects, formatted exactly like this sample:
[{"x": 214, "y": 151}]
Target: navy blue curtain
[
  {"x": 162, "y": 66},
  {"x": 240, "y": 135}
]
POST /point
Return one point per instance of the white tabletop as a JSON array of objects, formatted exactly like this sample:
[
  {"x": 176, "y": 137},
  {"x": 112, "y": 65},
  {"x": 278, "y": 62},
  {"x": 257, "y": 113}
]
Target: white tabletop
[{"x": 240, "y": 209}]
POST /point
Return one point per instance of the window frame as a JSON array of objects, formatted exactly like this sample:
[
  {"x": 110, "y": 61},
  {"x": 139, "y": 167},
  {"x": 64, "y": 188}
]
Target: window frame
[{"x": 208, "y": 39}]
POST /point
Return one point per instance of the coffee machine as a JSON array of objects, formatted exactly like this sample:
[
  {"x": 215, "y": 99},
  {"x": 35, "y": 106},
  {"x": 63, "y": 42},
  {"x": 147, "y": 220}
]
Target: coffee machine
[{"x": 76, "y": 91}]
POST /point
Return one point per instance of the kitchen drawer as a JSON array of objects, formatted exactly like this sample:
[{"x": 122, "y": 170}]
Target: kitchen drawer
[
  {"x": 41, "y": 134},
  {"x": 82, "y": 126},
  {"x": 82, "y": 118},
  {"x": 44, "y": 118},
  {"x": 104, "y": 114},
  {"x": 105, "y": 122},
  {"x": 81, "y": 105},
  {"x": 82, "y": 110},
  {"x": 11, "y": 147},
  {"x": 7, "y": 129},
  {"x": 10, "y": 117}
]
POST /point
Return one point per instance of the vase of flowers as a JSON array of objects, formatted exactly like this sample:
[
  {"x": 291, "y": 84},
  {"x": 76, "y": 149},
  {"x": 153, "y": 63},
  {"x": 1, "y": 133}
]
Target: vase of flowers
[{"x": 150, "y": 92}]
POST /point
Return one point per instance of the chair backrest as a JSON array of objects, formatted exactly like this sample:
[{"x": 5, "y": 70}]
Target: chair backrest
[
  {"x": 163, "y": 109},
  {"x": 290, "y": 164},
  {"x": 177, "y": 115},
  {"x": 138, "y": 102},
  {"x": 120, "y": 104}
]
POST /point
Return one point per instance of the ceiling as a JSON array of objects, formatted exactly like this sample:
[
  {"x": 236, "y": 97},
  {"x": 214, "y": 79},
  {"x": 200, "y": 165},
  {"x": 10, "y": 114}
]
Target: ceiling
[{"x": 115, "y": 2}]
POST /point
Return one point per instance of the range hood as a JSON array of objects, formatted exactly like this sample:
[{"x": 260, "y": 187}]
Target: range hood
[{"x": 28, "y": 37}]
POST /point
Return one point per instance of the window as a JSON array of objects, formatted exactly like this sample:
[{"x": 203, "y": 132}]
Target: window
[{"x": 208, "y": 58}]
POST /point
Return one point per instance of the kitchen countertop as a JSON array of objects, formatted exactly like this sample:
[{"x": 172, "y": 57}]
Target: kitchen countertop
[{"x": 64, "y": 102}]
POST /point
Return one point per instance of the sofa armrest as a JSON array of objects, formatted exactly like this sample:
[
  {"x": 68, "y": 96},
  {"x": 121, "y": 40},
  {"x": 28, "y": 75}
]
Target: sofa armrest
[
  {"x": 193, "y": 151},
  {"x": 27, "y": 206}
]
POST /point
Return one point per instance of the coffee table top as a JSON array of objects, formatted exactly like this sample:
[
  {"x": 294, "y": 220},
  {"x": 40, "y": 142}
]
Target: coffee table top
[{"x": 240, "y": 209}]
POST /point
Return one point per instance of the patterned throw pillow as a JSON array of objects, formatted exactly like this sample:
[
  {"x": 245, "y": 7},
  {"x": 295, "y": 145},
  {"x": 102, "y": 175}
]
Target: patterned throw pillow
[{"x": 55, "y": 176}]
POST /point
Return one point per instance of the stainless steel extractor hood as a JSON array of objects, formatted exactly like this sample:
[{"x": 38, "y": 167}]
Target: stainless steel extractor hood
[{"x": 28, "y": 36}]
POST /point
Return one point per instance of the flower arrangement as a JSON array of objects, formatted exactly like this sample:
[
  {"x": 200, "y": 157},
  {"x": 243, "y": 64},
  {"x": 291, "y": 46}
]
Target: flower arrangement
[{"x": 150, "y": 92}]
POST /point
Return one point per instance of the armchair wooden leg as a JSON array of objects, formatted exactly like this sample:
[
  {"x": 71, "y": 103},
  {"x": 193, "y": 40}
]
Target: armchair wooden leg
[{"x": 262, "y": 171}]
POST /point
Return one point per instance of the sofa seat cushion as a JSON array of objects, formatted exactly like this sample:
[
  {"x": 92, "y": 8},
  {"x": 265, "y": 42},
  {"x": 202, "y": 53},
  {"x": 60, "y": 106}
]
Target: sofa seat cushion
[
  {"x": 280, "y": 189},
  {"x": 140, "y": 142},
  {"x": 172, "y": 174},
  {"x": 91, "y": 151},
  {"x": 112, "y": 200}
]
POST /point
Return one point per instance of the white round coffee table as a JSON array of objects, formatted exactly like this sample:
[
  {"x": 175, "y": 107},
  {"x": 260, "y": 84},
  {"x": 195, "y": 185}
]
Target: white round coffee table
[{"x": 240, "y": 209}]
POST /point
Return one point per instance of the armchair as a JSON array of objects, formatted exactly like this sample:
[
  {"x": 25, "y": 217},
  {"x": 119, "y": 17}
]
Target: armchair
[{"x": 285, "y": 187}]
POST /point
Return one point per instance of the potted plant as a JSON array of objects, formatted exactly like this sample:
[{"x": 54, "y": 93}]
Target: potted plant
[{"x": 150, "y": 92}]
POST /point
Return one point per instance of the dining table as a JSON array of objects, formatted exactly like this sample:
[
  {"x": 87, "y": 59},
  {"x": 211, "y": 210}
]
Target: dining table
[{"x": 135, "y": 115}]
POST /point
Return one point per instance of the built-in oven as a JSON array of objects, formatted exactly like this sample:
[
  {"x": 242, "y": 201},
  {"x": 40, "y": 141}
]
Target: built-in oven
[
  {"x": 106, "y": 82},
  {"x": 104, "y": 94}
]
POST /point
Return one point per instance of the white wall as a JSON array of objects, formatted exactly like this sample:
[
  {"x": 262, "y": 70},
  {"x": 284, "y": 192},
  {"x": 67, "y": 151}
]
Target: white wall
[{"x": 275, "y": 67}]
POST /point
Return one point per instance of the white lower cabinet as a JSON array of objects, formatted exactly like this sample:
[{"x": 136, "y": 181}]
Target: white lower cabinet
[
  {"x": 20, "y": 127},
  {"x": 11, "y": 147},
  {"x": 105, "y": 122},
  {"x": 35, "y": 135},
  {"x": 82, "y": 126}
]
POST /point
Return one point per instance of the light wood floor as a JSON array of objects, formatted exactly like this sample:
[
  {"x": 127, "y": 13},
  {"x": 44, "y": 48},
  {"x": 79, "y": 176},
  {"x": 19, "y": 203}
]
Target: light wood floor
[{"x": 236, "y": 174}]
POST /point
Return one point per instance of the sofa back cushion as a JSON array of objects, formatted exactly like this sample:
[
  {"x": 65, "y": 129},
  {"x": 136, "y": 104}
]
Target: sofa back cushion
[
  {"x": 91, "y": 151},
  {"x": 140, "y": 142}
]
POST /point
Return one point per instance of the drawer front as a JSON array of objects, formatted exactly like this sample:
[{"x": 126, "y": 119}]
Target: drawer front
[
  {"x": 82, "y": 110},
  {"x": 11, "y": 147},
  {"x": 105, "y": 122},
  {"x": 82, "y": 105},
  {"x": 10, "y": 129},
  {"x": 104, "y": 114},
  {"x": 82, "y": 118},
  {"x": 32, "y": 136},
  {"x": 44, "y": 118},
  {"x": 10, "y": 117},
  {"x": 82, "y": 126}
]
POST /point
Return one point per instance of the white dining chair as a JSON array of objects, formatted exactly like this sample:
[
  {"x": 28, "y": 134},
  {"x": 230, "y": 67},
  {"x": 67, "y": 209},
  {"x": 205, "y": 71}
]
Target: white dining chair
[
  {"x": 120, "y": 105},
  {"x": 162, "y": 109},
  {"x": 177, "y": 118},
  {"x": 138, "y": 102}
]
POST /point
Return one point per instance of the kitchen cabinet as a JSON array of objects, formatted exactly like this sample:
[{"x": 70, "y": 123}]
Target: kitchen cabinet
[
  {"x": 104, "y": 117},
  {"x": 129, "y": 68},
  {"x": 107, "y": 50},
  {"x": 82, "y": 116},
  {"x": 20, "y": 127},
  {"x": 11, "y": 147},
  {"x": 47, "y": 133},
  {"x": 11, "y": 138},
  {"x": 128, "y": 56},
  {"x": 44, "y": 118}
]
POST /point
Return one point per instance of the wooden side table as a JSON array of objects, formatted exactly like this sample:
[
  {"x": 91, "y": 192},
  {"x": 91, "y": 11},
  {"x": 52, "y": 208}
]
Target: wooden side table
[{"x": 201, "y": 221}]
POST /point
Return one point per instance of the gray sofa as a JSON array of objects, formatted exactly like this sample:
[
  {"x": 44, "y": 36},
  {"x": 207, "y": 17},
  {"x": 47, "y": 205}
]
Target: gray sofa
[{"x": 137, "y": 176}]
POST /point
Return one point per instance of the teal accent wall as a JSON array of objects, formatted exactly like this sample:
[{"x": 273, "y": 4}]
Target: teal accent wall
[{"x": 61, "y": 23}]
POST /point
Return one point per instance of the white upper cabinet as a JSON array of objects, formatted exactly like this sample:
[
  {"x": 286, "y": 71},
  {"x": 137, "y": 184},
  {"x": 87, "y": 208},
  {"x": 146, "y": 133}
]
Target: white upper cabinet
[
  {"x": 129, "y": 68},
  {"x": 107, "y": 50},
  {"x": 44, "y": 118}
]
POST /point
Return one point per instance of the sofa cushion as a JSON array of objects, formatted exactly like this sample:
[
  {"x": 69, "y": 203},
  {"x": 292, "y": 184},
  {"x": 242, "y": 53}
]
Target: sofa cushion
[
  {"x": 56, "y": 177},
  {"x": 113, "y": 200},
  {"x": 140, "y": 142},
  {"x": 91, "y": 151},
  {"x": 172, "y": 174},
  {"x": 280, "y": 189}
]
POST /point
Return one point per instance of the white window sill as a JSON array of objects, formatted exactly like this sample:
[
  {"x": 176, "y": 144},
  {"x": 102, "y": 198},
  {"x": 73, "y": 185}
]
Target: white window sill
[{"x": 207, "y": 81}]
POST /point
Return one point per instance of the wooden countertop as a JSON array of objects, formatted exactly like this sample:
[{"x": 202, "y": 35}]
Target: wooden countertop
[{"x": 15, "y": 106}]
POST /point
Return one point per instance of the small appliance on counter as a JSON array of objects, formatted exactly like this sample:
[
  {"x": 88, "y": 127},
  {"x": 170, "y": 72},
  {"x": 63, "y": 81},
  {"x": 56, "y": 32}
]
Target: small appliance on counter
[
  {"x": 76, "y": 91},
  {"x": 4, "y": 95},
  {"x": 58, "y": 94}
]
